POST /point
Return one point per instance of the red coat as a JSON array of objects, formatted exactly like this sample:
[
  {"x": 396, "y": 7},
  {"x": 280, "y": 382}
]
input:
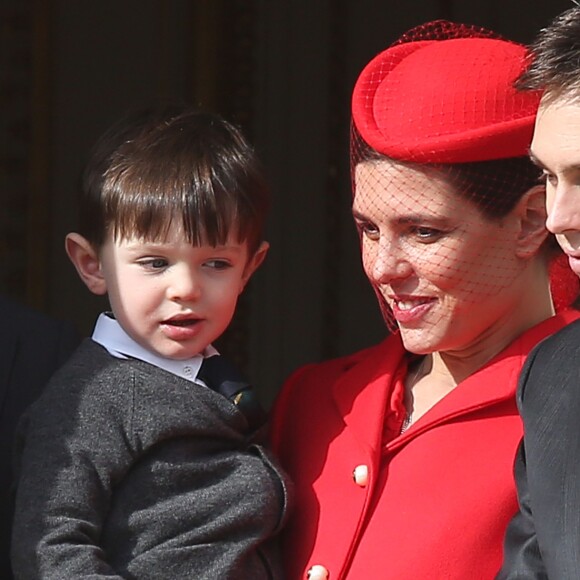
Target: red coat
[{"x": 432, "y": 503}]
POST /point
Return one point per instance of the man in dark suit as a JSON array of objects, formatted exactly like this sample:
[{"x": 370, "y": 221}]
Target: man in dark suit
[
  {"x": 543, "y": 540},
  {"x": 32, "y": 347}
]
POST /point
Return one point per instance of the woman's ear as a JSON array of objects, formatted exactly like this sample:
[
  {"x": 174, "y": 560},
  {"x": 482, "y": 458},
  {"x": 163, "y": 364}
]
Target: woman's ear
[
  {"x": 86, "y": 261},
  {"x": 531, "y": 211},
  {"x": 254, "y": 262}
]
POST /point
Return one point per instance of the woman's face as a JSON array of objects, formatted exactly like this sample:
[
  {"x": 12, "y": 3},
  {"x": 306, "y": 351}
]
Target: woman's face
[{"x": 449, "y": 275}]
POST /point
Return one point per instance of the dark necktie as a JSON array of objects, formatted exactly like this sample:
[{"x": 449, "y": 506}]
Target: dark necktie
[{"x": 219, "y": 374}]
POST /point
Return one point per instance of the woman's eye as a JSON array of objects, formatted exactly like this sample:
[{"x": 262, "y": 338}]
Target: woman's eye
[
  {"x": 368, "y": 230},
  {"x": 425, "y": 234}
]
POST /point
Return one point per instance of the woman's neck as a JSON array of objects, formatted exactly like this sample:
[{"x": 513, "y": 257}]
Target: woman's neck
[
  {"x": 437, "y": 374},
  {"x": 531, "y": 307}
]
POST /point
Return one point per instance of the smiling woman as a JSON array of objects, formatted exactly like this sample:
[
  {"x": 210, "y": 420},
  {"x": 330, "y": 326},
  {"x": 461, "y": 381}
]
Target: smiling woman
[
  {"x": 442, "y": 268},
  {"x": 407, "y": 470}
]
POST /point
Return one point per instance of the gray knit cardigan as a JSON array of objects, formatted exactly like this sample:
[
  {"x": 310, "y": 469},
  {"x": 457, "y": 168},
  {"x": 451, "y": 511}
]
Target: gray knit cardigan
[{"x": 128, "y": 471}]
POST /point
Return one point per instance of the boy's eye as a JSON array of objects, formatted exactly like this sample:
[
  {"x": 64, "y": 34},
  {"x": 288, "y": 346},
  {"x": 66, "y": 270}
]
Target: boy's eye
[
  {"x": 218, "y": 264},
  {"x": 154, "y": 263}
]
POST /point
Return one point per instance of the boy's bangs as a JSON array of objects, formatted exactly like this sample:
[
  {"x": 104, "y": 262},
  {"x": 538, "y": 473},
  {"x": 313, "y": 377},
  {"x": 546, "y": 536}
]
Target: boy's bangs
[
  {"x": 150, "y": 213},
  {"x": 190, "y": 171}
]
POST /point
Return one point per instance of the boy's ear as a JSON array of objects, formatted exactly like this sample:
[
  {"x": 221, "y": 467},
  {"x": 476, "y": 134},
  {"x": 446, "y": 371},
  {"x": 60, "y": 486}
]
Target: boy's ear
[
  {"x": 532, "y": 215},
  {"x": 254, "y": 262},
  {"x": 86, "y": 261}
]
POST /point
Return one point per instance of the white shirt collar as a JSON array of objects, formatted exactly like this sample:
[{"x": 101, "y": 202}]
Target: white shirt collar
[{"x": 109, "y": 334}]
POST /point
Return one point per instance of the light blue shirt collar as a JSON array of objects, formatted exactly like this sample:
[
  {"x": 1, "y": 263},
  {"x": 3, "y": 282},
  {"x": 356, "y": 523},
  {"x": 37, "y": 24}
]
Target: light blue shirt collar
[{"x": 109, "y": 334}]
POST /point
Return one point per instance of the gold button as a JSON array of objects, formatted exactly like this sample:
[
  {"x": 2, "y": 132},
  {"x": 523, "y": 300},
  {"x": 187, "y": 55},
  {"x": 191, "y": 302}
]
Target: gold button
[
  {"x": 317, "y": 572},
  {"x": 361, "y": 475}
]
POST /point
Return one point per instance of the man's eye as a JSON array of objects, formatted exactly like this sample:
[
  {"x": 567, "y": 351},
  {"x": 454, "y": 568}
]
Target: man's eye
[{"x": 547, "y": 177}]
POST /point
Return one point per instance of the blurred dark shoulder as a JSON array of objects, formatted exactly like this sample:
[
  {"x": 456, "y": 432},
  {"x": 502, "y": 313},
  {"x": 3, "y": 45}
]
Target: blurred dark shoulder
[{"x": 32, "y": 346}]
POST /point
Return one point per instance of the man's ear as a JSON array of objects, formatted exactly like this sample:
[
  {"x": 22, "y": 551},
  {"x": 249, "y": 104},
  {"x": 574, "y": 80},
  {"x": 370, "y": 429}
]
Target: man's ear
[
  {"x": 254, "y": 262},
  {"x": 531, "y": 210},
  {"x": 86, "y": 261}
]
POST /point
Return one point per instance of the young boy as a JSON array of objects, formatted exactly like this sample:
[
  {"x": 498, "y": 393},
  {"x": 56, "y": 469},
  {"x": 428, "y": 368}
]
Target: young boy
[{"x": 131, "y": 466}]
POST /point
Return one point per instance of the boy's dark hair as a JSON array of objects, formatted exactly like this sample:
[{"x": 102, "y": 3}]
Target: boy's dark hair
[
  {"x": 555, "y": 59},
  {"x": 172, "y": 162}
]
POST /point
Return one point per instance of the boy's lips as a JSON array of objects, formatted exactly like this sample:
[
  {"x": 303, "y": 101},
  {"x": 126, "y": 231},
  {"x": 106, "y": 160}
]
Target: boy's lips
[
  {"x": 181, "y": 328},
  {"x": 182, "y": 321}
]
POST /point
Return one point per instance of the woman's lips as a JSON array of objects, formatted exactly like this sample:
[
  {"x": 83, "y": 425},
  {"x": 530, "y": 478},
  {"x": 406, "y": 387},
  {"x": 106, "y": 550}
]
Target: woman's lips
[
  {"x": 574, "y": 261},
  {"x": 411, "y": 309}
]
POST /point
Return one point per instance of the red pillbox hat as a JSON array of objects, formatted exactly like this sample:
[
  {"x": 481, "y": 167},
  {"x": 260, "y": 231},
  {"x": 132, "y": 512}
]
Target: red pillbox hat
[{"x": 445, "y": 100}]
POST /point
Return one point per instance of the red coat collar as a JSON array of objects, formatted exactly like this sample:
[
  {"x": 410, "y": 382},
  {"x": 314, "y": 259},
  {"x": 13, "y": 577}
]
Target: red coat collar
[{"x": 367, "y": 384}]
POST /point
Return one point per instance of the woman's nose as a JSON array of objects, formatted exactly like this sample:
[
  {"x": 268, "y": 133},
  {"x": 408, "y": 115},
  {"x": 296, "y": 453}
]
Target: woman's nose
[{"x": 389, "y": 264}]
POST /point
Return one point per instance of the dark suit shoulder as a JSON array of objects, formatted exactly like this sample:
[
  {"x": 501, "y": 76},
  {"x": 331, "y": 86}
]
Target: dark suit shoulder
[
  {"x": 551, "y": 375},
  {"x": 565, "y": 341},
  {"x": 24, "y": 319},
  {"x": 32, "y": 346}
]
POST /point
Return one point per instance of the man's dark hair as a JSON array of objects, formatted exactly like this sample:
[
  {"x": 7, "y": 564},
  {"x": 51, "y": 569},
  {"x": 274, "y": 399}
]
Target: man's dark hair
[
  {"x": 555, "y": 59},
  {"x": 169, "y": 164}
]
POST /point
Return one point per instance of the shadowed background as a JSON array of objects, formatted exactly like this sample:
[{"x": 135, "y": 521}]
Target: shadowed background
[{"x": 283, "y": 70}]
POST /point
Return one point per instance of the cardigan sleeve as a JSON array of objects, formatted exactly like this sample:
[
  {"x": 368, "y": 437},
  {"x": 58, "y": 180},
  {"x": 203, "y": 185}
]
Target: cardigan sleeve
[{"x": 76, "y": 444}]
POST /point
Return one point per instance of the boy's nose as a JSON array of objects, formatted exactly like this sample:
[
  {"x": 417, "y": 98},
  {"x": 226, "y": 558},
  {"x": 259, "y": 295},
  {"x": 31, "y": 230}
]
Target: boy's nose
[{"x": 184, "y": 286}]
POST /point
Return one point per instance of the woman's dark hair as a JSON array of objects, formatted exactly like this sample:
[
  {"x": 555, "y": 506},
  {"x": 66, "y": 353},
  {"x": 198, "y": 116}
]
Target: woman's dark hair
[{"x": 495, "y": 186}]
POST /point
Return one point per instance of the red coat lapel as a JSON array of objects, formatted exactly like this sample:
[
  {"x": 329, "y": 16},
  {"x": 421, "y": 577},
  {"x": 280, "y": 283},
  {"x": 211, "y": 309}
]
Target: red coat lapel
[{"x": 366, "y": 387}]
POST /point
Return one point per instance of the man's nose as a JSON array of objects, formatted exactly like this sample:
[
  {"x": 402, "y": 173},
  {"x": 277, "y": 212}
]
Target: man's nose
[{"x": 564, "y": 211}]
